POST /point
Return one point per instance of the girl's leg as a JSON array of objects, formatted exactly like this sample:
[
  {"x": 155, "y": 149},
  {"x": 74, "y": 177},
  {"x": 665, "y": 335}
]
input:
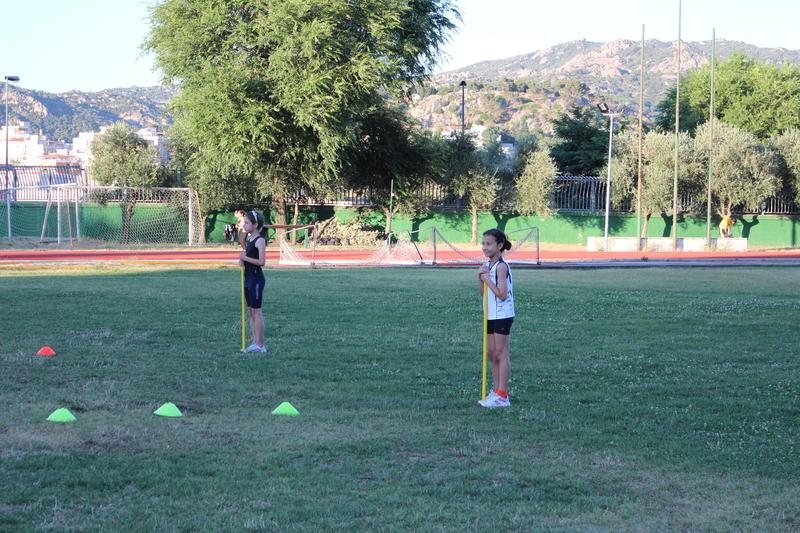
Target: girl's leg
[
  {"x": 257, "y": 325},
  {"x": 491, "y": 354},
  {"x": 501, "y": 364}
]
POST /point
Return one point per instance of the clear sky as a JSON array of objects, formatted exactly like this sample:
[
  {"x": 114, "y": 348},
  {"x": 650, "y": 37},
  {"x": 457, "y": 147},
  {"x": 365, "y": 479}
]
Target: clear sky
[{"x": 92, "y": 45}]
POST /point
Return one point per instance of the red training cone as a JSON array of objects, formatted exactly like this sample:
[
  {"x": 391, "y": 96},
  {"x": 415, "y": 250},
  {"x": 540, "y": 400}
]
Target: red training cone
[{"x": 46, "y": 351}]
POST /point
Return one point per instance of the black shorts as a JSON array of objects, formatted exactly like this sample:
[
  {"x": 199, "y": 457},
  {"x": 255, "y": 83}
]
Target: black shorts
[
  {"x": 501, "y": 326},
  {"x": 254, "y": 290}
]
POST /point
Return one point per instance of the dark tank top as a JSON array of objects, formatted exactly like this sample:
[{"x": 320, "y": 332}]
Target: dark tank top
[{"x": 251, "y": 251}]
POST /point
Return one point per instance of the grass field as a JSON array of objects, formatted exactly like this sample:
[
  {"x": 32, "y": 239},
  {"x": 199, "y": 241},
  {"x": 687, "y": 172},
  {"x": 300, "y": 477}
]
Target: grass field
[{"x": 643, "y": 400}]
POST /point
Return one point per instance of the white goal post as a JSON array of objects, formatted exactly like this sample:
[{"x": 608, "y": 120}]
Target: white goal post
[{"x": 124, "y": 215}]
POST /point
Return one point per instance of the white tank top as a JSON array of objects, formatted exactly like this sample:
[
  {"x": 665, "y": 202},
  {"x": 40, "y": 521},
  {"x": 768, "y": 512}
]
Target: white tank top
[{"x": 498, "y": 308}]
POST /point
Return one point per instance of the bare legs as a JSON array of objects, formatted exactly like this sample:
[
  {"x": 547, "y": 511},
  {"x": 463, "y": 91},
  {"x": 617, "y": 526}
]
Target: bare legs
[
  {"x": 257, "y": 325},
  {"x": 497, "y": 351}
]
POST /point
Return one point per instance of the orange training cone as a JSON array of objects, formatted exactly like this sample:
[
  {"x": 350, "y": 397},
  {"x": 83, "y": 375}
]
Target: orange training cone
[{"x": 46, "y": 351}]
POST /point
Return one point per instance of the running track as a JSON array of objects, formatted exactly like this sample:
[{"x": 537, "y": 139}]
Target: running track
[{"x": 10, "y": 258}]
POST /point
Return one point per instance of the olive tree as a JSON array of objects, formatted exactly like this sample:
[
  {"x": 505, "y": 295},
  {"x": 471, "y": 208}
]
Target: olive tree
[
  {"x": 745, "y": 172},
  {"x": 120, "y": 157}
]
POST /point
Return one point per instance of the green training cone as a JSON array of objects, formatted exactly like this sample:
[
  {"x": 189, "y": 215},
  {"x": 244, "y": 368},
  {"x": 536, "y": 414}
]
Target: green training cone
[
  {"x": 61, "y": 415},
  {"x": 168, "y": 409},
  {"x": 285, "y": 409}
]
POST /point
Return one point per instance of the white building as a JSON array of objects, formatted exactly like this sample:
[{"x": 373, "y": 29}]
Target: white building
[
  {"x": 157, "y": 139},
  {"x": 25, "y": 148}
]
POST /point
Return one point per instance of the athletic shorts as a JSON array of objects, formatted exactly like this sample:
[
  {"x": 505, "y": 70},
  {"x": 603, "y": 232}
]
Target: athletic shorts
[
  {"x": 501, "y": 326},
  {"x": 254, "y": 290}
]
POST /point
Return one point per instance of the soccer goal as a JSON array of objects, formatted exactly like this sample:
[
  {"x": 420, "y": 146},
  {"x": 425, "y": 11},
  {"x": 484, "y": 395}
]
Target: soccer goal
[
  {"x": 429, "y": 247},
  {"x": 413, "y": 248},
  {"x": 66, "y": 213}
]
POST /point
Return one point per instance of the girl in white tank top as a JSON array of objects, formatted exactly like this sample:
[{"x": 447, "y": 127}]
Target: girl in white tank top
[{"x": 495, "y": 275}]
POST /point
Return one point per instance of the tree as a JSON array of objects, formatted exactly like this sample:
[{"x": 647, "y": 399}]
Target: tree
[
  {"x": 745, "y": 172},
  {"x": 755, "y": 97},
  {"x": 581, "y": 146},
  {"x": 389, "y": 157},
  {"x": 536, "y": 185},
  {"x": 469, "y": 174},
  {"x": 272, "y": 92},
  {"x": 665, "y": 113},
  {"x": 658, "y": 171},
  {"x": 122, "y": 158},
  {"x": 788, "y": 146}
]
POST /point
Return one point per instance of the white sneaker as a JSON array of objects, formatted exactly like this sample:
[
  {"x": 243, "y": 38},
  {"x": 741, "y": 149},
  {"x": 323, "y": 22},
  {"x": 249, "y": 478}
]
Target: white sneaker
[
  {"x": 489, "y": 396},
  {"x": 496, "y": 401},
  {"x": 255, "y": 348}
]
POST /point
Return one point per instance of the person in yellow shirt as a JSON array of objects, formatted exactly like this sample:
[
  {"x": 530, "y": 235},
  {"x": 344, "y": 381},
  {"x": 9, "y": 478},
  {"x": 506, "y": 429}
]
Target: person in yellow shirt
[{"x": 725, "y": 227}]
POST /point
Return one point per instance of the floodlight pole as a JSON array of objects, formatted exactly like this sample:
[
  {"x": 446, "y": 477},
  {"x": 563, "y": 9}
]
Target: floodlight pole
[
  {"x": 8, "y": 79},
  {"x": 639, "y": 163},
  {"x": 677, "y": 137},
  {"x": 711, "y": 138},
  {"x": 605, "y": 111}
]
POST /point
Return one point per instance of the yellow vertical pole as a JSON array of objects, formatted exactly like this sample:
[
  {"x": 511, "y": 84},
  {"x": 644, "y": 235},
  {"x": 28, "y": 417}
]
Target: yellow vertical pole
[
  {"x": 244, "y": 325},
  {"x": 485, "y": 336}
]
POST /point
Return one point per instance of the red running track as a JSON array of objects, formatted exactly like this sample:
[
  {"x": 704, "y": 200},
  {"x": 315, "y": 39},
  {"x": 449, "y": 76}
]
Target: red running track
[{"x": 357, "y": 255}]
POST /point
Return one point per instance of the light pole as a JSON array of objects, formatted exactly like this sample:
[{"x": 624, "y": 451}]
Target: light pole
[
  {"x": 8, "y": 79},
  {"x": 463, "y": 86},
  {"x": 603, "y": 107}
]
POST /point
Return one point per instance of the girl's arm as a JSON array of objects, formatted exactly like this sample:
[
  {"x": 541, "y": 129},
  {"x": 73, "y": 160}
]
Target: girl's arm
[
  {"x": 501, "y": 289},
  {"x": 261, "y": 246}
]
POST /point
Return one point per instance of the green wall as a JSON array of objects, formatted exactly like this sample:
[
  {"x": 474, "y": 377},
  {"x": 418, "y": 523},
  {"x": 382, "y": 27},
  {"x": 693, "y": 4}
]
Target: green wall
[{"x": 565, "y": 228}]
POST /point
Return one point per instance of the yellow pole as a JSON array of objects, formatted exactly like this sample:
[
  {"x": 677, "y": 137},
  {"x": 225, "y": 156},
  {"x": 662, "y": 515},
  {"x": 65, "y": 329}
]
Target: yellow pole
[
  {"x": 244, "y": 326},
  {"x": 485, "y": 335}
]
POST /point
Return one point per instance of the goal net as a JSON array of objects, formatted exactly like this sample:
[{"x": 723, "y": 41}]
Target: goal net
[
  {"x": 421, "y": 247},
  {"x": 123, "y": 215}
]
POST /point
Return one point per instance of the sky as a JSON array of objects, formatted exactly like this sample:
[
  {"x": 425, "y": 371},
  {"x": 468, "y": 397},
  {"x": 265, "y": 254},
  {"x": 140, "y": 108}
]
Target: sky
[{"x": 91, "y": 45}]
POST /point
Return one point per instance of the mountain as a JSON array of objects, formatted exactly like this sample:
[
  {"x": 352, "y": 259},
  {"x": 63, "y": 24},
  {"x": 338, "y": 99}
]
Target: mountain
[
  {"x": 64, "y": 115},
  {"x": 521, "y": 93},
  {"x": 524, "y": 92}
]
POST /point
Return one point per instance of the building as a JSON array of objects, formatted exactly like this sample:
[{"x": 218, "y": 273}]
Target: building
[{"x": 25, "y": 148}]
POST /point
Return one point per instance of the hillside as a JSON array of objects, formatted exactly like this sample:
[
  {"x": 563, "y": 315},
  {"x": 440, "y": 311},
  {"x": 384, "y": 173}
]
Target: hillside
[
  {"x": 521, "y": 93},
  {"x": 525, "y": 92},
  {"x": 63, "y": 116}
]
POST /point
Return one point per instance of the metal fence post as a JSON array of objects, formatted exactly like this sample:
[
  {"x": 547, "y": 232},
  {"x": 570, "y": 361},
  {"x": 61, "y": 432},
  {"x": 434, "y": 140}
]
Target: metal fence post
[
  {"x": 8, "y": 211},
  {"x": 58, "y": 214},
  {"x": 191, "y": 216}
]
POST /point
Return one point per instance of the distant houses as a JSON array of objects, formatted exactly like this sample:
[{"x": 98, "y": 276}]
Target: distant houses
[{"x": 30, "y": 149}]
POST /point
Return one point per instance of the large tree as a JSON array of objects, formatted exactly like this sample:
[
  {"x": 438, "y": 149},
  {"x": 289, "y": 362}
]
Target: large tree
[
  {"x": 581, "y": 147},
  {"x": 755, "y": 97},
  {"x": 392, "y": 162},
  {"x": 272, "y": 92}
]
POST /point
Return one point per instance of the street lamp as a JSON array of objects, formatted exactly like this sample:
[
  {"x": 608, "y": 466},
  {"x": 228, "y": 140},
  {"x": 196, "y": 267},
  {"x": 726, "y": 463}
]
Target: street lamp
[
  {"x": 8, "y": 79},
  {"x": 605, "y": 111},
  {"x": 463, "y": 86}
]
